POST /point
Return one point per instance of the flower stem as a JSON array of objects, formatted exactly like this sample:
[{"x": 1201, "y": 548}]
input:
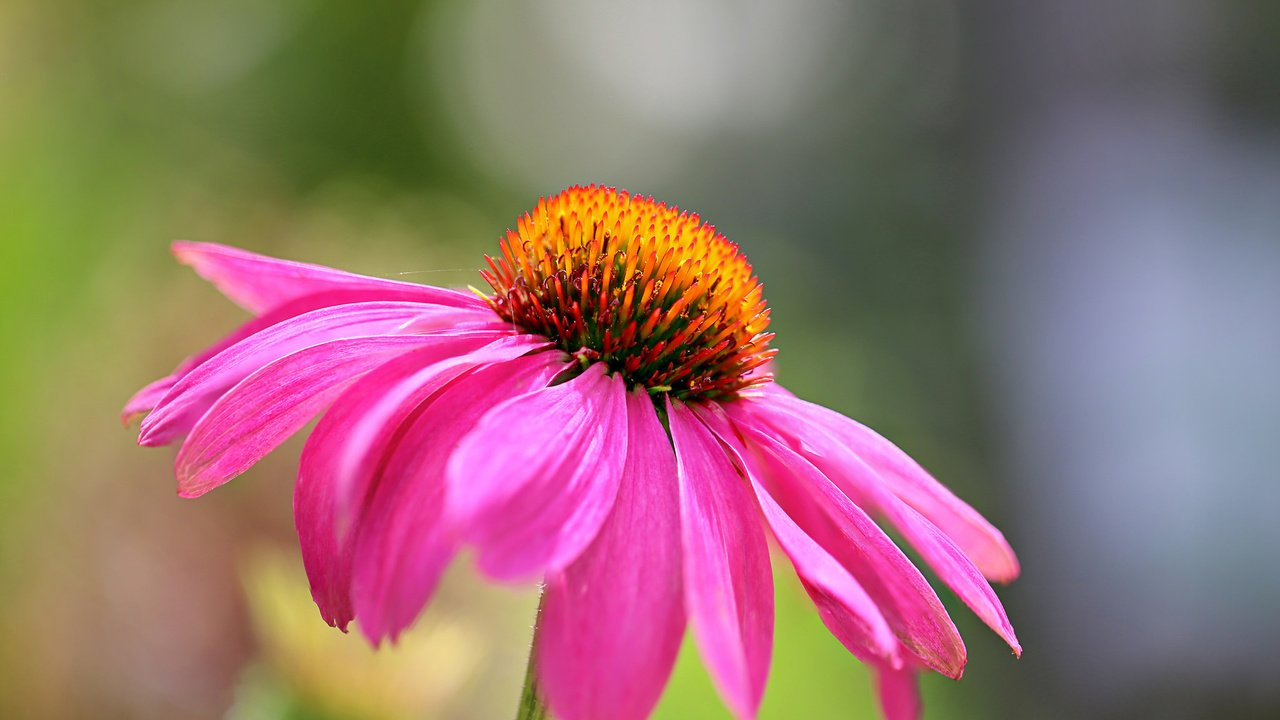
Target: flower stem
[{"x": 531, "y": 704}]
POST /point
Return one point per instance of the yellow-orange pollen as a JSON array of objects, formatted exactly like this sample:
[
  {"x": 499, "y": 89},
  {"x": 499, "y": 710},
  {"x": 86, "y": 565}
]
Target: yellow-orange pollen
[{"x": 657, "y": 294}]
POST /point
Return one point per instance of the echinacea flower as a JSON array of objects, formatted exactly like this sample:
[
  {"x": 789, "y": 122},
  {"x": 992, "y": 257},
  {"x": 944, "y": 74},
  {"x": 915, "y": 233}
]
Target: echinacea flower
[{"x": 606, "y": 420}]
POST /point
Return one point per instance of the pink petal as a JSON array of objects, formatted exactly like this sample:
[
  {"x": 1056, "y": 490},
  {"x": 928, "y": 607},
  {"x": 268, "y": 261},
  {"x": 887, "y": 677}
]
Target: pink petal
[
  {"x": 845, "y": 607},
  {"x": 864, "y": 487},
  {"x": 323, "y": 510},
  {"x": 953, "y": 566},
  {"x": 146, "y": 398},
  {"x": 259, "y": 283},
  {"x": 535, "y": 479},
  {"x": 326, "y": 554},
  {"x": 326, "y": 546},
  {"x": 899, "y": 693},
  {"x": 908, "y": 603},
  {"x": 386, "y": 407},
  {"x": 267, "y": 407},
  {"x": 728, "y": 585},
  {"x": 979, "y": 540},
  {"x": 195, "y": 391},
  {"x": 612, "y": 622},
  {"x": 403, "y": 542},
  {"x": 151, "y": 395}
]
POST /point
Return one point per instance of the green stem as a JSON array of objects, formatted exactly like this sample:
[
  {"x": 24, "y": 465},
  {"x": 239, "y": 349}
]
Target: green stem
[{"x": 531, "y": 704}]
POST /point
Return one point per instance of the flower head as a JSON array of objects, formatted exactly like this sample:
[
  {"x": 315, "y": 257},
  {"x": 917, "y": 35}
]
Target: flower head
[
  {"x": 657, "y": 295},
  {"x": 606, "y": 421}
]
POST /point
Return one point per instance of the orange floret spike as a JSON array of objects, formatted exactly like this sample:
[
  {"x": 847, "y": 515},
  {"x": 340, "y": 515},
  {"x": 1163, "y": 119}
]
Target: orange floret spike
[{"x": 657, "y": 294}]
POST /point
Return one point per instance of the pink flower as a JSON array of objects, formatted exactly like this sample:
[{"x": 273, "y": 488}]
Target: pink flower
[{"x": 607, "y": 421}]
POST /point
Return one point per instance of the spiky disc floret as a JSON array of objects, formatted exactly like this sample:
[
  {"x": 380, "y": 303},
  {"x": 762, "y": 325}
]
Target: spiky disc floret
[{"x": 657, "y": 294}]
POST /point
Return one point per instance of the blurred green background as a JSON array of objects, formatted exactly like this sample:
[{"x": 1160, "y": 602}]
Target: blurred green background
[{"x": 1034, "y": 243}]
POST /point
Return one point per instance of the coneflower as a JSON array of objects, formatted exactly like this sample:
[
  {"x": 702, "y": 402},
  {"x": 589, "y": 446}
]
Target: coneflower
[{"x": 605, "y": 420}]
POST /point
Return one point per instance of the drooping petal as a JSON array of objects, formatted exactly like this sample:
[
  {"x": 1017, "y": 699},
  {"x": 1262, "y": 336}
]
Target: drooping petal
[
  {"x": 955, "y": 569},
  {"x": 952, "y": 565},
  {"x": 858, "y": 481},
  {"x": 980, "y": 541},
  {"x": 264, "y": 409},
  {"x": 326, "y": 552},
  {"x": 197, "y": 389},
  {"x": 148, "y": 397},
  {"x": 728, "y": 585},
  {"x": 612, "y": 622},
  {"x": 323, "y": 512},
  {"x": 403, "y": 542},
  {"x": 844, "y": 529},
  {"x": 259, "y": 283},
  {"x": 845, "y": 607},
  {"x": 899, "y": 692},
  {"x": 535, "y": 479},
  {"x": 361, "y": 451}
]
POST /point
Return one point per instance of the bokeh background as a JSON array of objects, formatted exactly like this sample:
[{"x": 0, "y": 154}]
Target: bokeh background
[{"x": 1037, "y": 243}]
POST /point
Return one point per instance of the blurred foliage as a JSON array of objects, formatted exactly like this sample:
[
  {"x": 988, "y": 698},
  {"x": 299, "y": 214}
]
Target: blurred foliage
[{"x": 436, "y": 669}]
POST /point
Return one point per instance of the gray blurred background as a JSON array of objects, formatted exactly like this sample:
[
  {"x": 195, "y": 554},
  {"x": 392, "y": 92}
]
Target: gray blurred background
[{"x": 1035, "y": 243}]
